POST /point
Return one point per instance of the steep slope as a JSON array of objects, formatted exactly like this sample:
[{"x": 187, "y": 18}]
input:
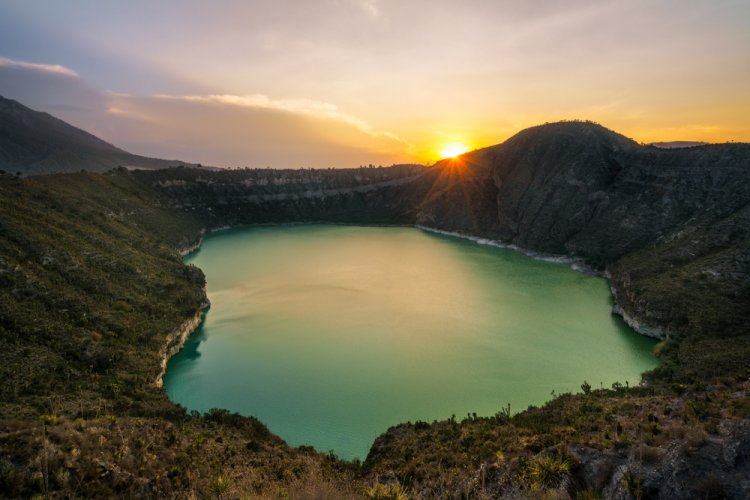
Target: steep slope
[{"x": 32, "y": 142}]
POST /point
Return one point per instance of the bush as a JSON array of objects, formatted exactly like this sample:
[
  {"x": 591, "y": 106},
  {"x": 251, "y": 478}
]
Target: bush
[{"x": 548, "y": 471}]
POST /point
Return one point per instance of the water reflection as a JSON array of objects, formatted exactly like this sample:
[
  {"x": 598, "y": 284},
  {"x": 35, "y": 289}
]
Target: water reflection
[{"x": 331, "y": 334}]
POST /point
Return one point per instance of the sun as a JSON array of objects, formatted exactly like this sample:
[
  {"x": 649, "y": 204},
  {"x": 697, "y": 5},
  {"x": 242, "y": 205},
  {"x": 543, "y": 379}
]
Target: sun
[{"x": 453, "y": 150}]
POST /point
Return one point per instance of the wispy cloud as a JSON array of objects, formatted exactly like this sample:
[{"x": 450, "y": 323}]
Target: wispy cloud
[
  {"x": 369, "y": 6},
  {"x": 49, "y": 68},
  {"x": 248, "y": 130},
  {"x": 307, "y": 107}
]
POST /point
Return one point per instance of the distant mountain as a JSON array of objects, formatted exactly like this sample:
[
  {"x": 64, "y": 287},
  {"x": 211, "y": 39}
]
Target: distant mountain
[
  {"x": 677, "y": 144},
  {"x": 32, "y": 142}
]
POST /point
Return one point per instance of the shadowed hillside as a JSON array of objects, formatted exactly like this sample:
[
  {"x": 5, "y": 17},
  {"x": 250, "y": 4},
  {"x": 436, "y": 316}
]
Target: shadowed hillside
[
  {"x": 664, "y": 223},
  {"x": 32, "y": 143}
]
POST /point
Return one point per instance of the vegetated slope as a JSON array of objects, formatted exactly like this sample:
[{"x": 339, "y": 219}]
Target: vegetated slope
[
  {"x": 32, "y": 142},
  {"x": 89, "y": 292}
]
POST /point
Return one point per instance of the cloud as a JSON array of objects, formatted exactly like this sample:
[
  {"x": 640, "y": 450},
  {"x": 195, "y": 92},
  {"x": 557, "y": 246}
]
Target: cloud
[
  {"x": 48, "y": 68},
  {"x": 369, "y": 6},
  {"x": 223, "y": 130},
  {"x": 307, "y": 107},
  {"x": 252, "y": 130},
  {"x": 52, "y": 88}
]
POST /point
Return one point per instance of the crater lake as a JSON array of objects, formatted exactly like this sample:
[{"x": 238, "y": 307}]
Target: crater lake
[{"x": 331, "y": 334}]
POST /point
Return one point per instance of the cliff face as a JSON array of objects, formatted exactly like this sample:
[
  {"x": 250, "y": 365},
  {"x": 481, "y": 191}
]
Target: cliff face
[
  {"x": 579, "y": 188},
  {"x": 536, "y": 190},
  {"x": 176, "y": 340},
  {"x": 260, "y": 196}
]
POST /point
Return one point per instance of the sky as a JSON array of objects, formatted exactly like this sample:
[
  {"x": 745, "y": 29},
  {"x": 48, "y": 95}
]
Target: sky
[{"x": 341, "y": 83}]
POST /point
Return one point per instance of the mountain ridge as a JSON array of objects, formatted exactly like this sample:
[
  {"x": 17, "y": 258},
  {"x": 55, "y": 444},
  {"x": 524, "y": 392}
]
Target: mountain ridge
[
  {"x": 34, "y": 142},
  {"x": 578, "y": 189}
]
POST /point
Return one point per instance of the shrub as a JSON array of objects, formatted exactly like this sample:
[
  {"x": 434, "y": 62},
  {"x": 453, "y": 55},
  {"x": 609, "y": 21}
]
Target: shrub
[
  {"x": 503, "y": 415},
  {"x": 221, "y": 485},
  {"x": 586, "y": 387},
  {"x": 633, "y": 484},
  {"x": 387, "y": 492},
  {"x": 548, "y": 471}
]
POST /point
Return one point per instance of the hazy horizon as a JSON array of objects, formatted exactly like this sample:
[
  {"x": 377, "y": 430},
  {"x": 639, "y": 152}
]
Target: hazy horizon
[{"x": 341, "y": 83}]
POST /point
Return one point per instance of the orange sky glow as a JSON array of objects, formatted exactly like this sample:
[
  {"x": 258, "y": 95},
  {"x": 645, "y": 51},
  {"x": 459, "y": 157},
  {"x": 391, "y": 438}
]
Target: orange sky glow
[{"x": 341, "y": 83}]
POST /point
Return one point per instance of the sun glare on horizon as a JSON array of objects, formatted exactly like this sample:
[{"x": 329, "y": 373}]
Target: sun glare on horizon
[{"x": 453, "y": 150}]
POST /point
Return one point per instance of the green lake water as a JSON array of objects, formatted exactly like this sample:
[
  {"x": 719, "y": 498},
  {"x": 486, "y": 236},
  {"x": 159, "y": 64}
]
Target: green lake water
[{"x": 331, "y": 334}]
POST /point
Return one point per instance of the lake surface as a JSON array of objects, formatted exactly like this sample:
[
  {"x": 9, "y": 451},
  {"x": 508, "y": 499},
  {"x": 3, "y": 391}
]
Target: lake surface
[{"x": 331, "y": 334}]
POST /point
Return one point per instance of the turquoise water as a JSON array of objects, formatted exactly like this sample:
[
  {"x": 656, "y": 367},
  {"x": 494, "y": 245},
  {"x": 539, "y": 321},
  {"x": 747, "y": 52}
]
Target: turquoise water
[{"x": 331, "y": 334}]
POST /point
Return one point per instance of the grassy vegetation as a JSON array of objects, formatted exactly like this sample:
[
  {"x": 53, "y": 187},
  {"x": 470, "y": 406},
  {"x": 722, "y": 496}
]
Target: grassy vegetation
[
  {"x": 91, "y": 285},
  {"x": 540, "y": 450},
  {"x": 694, "y": 283}
]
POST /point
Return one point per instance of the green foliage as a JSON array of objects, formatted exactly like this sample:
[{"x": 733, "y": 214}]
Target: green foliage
[
  {"x": 588, "y": 494},
  {"x": 503, "y": 415},
  {"x": 387, "y": 492},
  {"x": 220, "y": 485},
  {"x": 548, "y": 471},
  {"x": 633, "y": 484},
  {"x": 48, "y": 419}
]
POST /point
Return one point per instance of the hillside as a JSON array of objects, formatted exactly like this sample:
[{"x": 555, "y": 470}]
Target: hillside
[
  {"x": 94, "y": 291},
  {"x": 671, "y": 226},
  {"x": 32, "y": 142}
]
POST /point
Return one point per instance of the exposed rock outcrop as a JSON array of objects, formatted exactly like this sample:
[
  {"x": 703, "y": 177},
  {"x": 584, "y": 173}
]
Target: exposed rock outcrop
[
  {"x": 697, "y": 466},
  {"x": 176, "y": 340}
]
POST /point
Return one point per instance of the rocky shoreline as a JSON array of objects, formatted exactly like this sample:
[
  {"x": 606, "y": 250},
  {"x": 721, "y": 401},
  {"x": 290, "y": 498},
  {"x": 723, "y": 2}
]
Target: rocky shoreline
[
  {"x": 633, "y": 322},
  {"x": 638, "y": 325},
  {"x": 575, "y": 263},
  {"x": 176, "y": 340},
  {"x": 185, "y": 251}
]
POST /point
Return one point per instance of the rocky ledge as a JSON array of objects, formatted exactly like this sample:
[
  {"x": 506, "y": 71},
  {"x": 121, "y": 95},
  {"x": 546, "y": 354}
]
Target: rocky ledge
[{"x": 176, "y": 340}]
